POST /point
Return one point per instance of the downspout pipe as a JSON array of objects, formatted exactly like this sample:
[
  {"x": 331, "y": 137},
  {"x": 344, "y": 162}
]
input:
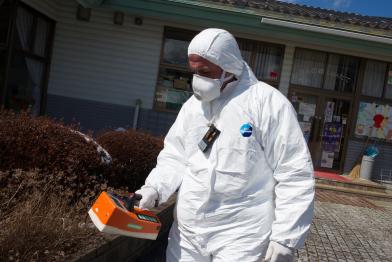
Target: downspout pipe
[
  {"x": 331, "y": 31},
  {"x": 136, "y": 113}
]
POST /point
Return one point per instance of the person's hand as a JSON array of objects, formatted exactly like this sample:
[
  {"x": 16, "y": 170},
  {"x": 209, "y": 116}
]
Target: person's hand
[
  {"x": 279, "y": 253},
  {"x": 149, "y": 197}
]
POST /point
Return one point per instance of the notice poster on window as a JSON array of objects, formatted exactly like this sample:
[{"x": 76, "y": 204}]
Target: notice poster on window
[
  {"x": 306, "y": 128},
  {"x": 329, "y": 111},
  {"x": 327, "y": 159},
  {"x": 374, "y": 120},
  {"x": 332, "y": 134},
  {"x": 307, "y": 109}
]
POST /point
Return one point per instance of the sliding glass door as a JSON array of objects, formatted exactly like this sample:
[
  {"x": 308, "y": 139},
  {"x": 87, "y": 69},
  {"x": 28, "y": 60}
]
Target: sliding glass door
[{"x": 322, "y": 92}]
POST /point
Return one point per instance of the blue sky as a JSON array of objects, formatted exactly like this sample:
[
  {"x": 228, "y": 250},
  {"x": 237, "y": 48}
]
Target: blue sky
[{"x": 363, "y": 7}]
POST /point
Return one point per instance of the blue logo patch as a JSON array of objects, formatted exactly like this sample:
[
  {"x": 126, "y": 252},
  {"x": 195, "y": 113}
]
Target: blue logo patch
[{"x": 246, "y": 130}]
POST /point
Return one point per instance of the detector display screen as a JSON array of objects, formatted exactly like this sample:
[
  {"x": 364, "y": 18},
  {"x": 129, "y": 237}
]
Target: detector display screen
[{"x": 147, "y": 218}]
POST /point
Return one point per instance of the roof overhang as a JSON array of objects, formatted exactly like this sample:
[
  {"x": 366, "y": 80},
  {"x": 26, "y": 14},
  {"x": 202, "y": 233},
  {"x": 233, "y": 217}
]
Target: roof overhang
[
  {"x": 326, "y": 30},
  {"x": 205, "y": 14}
]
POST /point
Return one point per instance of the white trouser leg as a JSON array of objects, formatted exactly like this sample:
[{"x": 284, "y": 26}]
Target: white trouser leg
[
  {"x": 181, "y": 249},
  {"x": 245, "y": 249}
]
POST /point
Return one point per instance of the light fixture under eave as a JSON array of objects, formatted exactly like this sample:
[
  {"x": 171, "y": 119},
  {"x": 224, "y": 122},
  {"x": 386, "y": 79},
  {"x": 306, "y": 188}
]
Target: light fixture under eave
[
  {"x": 83, "y": 13},
  {"x": 118, "y": 18},
  {"x": 138, "y": 20},
  {"x": 331, "y": 31}
]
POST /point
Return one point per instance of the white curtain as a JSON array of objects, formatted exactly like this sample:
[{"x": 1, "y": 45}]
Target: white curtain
[
  {"x": 267, "y": 62},
  {"x": 24, "y": 22},
  {"x": 35, "y": 68},
  {"x": 373, "y": 81},
  {"x": 41, "y": 36},
  {"x": 308, "y": 68},
  {"x": 332, "y": 72},
  {"x": 246, "y": 50},
  {"x": 388, "y": 88}
]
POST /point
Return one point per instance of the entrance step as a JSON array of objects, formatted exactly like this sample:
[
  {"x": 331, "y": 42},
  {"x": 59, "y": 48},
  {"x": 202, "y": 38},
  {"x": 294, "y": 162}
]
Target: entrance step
[
  {"x": 334, "y": 179},
  {"x": 359, "y": 184},
  {"x": 386, "y": 195}
]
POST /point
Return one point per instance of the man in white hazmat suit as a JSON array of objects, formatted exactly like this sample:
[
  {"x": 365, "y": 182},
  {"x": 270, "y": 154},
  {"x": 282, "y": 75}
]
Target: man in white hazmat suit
[{"x": 246, "y": 190}]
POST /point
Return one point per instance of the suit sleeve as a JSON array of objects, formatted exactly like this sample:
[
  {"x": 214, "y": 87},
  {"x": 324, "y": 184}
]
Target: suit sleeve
[
  {"x": 166, "y": 177},
  {"x": 289, "y": 158}
]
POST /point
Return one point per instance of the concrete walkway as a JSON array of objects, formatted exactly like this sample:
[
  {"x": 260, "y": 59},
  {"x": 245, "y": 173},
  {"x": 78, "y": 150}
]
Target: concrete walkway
[
  {"x": 345, "y": 228},
  {"x": 348, "y": 228}
]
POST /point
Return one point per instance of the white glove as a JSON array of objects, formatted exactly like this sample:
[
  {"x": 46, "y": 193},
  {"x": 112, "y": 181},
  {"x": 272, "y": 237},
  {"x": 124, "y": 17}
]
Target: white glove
[
  {"x": 149, "y": 197},
  {"x": 279, "y": 253}
]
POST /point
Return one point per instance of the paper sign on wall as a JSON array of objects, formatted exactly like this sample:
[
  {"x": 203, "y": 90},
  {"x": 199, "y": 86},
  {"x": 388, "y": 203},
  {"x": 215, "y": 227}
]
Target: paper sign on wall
[
  {"x": 306, "y": 128},
  {"x": 332, "y": 134},
  {"x": 307, "y": 109},
  {"x": 327, "y": 159},
  {"x": 329, "y": 111}
]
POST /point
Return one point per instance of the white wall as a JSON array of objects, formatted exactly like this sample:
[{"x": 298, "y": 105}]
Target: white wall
[
  {"x": 286, "y": 69},
  {"x": 103, "y": 62}
]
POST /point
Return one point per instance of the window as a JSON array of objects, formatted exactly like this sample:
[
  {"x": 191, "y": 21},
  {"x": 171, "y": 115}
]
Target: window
[
  {"x": 377, "y": 82},
  {"x": 5, "y": 18},
  {"x": 265, "y": 59},
  {"x": 246, "y": 47},
  {"x": 375, "y": 108},
  {"x": 3, "y": 62},
  {"x": 388, "y": 87},
  {"x": 323, "y": 70},
  {"x": 373, "y": 121},
  {"x": 5, "y": 12},
  {"x": 174, "y": 84},
  {"x": 30, "y": 59},
  {"x": 308, "y": 68},
  {"x": 341, "y": 73},
  {"x": 268, "y": 62}
]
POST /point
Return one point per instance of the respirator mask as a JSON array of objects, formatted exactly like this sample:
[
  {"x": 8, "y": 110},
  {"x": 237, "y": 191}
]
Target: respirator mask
[{"x": 207, "y": 89}]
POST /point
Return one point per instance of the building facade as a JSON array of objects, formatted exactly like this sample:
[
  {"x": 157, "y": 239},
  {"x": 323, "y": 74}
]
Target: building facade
[{"x": 118, "y": 63}]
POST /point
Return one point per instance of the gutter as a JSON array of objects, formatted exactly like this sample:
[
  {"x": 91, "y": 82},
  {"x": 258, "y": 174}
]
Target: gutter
[
  {"x": 330, "y": 31},
  {"x": 90, "y": 3}
]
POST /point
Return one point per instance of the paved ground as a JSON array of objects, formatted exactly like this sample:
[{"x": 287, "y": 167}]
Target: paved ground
[
  {"x": 347, "y": 228},
  {"x": 344, "y": 228}
]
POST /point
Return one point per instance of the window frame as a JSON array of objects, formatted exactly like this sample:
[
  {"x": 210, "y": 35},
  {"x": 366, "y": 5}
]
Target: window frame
[
  {"x": 4, "y": 45},
  {"x": 7, "y": 47},
  {"x": 254, "y": 45},
  {"x": 172, "y": 31},
  {"x": 321, "y": 89},
  {"x": 12, "y": 50},
  {"x": 183, "y": 33},
  {"x": 370, "y": 99},
  {"x": 381, "y": 99}
]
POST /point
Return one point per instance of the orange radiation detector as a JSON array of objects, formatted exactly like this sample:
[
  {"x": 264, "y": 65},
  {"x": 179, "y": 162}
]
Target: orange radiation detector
[{"x": 116, "y": 214}]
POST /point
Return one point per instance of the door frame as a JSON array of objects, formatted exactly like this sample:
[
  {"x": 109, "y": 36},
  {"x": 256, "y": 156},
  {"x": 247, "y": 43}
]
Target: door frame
[{"x": 322, "y": 95}]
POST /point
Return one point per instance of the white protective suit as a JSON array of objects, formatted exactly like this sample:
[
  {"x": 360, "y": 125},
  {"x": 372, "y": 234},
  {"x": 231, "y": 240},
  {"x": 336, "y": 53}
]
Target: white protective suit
[{"x": 251, "y": 186}]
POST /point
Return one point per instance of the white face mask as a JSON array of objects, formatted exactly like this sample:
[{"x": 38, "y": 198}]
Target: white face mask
[{"x": 207, "y": 89}]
